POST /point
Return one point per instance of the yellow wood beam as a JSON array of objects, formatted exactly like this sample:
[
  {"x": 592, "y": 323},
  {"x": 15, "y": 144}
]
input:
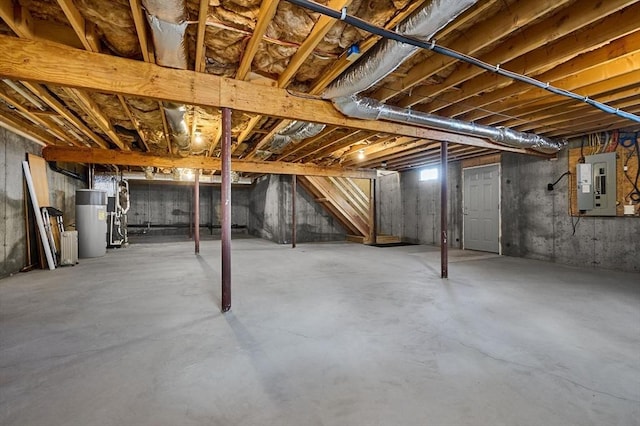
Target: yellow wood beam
[
  {"x": 523, "y": 54},
  {"x": 85, "y": 33},
  {"x": 320, "y": 29},
  {"x": 202, "y": 26},
  {"x": 133, "y": 158},
  {"x": 45, "y": 122},
  {"x": 40, "y": 61},
  {"x": 141, "y": 31},
  {"x": 26, "y": 129},
  {"x": 267, "y": 11},
  {"x": 308, "y": 142},
  {"x": 85, "y": 102},
  {"x": 133, "y": 120},
  {"x": 55, "y": 105},
  {"x": 476, "y": 38},
  {"x": 504, "y": 88}
]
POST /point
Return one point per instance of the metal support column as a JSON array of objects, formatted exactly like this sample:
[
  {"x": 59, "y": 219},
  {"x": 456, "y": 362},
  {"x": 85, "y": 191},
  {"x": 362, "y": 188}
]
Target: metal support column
[
  {"x": 294, "y": 191},
  {"x": 225, "y": 200},
  {"x": 373, "y": 232},
  {"x": 196, "y": 209},
  {"x": 444, "y": 253}
]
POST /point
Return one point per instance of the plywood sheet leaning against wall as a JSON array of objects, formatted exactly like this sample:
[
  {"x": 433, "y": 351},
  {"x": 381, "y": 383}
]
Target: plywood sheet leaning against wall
[{"x": 627, "y": 150}]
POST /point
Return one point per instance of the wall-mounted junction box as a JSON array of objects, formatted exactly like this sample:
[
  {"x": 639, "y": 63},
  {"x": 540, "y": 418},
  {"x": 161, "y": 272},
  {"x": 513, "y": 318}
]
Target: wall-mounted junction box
[{"x": 596, "y": 185}]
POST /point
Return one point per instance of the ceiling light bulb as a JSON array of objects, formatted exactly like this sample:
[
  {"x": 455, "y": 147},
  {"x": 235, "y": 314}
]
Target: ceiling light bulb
[
  {"x": 198, "y": 138},
  {"x": 361, "y": 154}
]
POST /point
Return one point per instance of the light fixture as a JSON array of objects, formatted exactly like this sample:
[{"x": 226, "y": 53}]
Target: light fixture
[
  {"x": 198, "y": 138},
  {"x": 384, "y": 164},
  {"x": 361, "y": 154}
]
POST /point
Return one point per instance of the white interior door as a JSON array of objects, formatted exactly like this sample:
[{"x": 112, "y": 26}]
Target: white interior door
[{"x": 481, "y": 200}]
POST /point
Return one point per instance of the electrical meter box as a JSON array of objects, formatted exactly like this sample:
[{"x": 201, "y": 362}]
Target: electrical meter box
[{"x": 596, "y": 185}]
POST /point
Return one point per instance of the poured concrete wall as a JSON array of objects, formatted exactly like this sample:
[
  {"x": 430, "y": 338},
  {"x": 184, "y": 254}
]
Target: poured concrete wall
[
  {"x": 410, "y": 209},
  {"x": 270, "y": 213},
  {"x": 536, "y": 223},
  {"x": 13, "y": 150},
  {"x": 171, "y": 204}
]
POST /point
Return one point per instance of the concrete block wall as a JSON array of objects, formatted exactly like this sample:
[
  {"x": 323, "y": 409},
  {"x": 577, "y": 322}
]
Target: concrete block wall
[
  {"x": 536, "y": 223},
  {"x": 13, "y": 150},
  {"x": 270, "y": 211}
]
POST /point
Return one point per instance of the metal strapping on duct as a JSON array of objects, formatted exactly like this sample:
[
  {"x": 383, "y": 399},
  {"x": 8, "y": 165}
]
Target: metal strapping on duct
[
  {"x": 388, "y": 54},
  {"x": 370, "y": 109},
  {"x": 168, "y": 22}
]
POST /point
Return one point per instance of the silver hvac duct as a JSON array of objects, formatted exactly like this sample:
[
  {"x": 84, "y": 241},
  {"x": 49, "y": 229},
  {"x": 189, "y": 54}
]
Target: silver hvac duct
[
  {"x": 295, "y": 131},
  {"x": 370, "y": 109},
  {"x": 388, "y": 55},
  {"x": 168, "y": 22}
]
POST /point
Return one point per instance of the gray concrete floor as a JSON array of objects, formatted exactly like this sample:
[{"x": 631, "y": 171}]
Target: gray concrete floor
[{"x": 327, "y": 334}]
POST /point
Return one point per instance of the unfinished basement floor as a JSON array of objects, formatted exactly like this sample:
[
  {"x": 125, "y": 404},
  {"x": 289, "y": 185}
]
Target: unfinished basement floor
[{"x": 326, "y": 334}]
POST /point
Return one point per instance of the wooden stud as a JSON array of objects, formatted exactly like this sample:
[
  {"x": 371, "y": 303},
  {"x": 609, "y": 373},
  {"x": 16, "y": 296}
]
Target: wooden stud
[
  {"x": 83, "y": 31},
  {"x": 201, "y": 63}
]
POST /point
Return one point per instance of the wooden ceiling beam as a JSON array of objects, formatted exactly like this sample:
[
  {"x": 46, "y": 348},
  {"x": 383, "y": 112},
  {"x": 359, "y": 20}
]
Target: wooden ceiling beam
[
  {"x": 413, "y": 159},
  {"x": 379, "y": 148},
  {"x": 267, "y": 12},
  {"x": 396, "y": 152},
  {"x": 476, "y": 38},
  {"x": 595, "y": 123},
  {"x": 326, "y": 149},
  {"x": 518, "y": 52},
  {"x": 320, "y": 29},
  {"x": 301, "y": 146},
  {"x": 570, "y": 110},
  {"x": 87, "y": 104},
  {"x": 132, "y": 158},
  {"x": 28, "y": 130},
  {"x": 55, "y": 105},
  {"x": 86, "y": 33},
  {"x": 266, "y": 139},
  {"x": 134, "y": 121},
  {"x": 574, "y": 82},
  {"x": 585, "y": 61},
  {"x": 614, "y": 35},
  {"x": 45, "y": 122},
  {"x": 24, "y": 25},
  {"x": 435, "y": 159},
  {"x": 200, "y": 64},
  {"x": 39, "y": 61},
  {"x": 141, "y": 30}
]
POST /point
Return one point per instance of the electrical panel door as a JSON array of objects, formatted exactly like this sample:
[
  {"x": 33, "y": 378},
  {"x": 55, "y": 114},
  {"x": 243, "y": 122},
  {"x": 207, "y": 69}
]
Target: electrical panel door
[{"x": 596, "y": 179}]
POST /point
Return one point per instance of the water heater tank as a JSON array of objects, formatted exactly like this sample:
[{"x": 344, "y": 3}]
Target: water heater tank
[{"x": 91, "y": 222}]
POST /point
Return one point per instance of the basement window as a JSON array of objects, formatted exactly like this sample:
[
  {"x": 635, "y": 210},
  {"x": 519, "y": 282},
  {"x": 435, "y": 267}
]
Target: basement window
[{"x": 430, "y": 173}]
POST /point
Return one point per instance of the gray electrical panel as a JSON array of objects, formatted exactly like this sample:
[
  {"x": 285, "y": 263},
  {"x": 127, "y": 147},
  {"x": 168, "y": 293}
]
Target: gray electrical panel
[{"x": 596, "y": 185}]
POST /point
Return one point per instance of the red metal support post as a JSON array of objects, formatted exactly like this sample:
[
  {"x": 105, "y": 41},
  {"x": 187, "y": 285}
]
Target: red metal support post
[
  {"x": 196, "y": 210},
  {"x": 294, "y": 191},
  {"x": 444, "y": 253},
  {"x": 225, "y": 200}
]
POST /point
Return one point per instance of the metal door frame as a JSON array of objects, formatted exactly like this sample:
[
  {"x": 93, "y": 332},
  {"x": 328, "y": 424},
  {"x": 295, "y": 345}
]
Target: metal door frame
[{"x": 499, "y": 203}]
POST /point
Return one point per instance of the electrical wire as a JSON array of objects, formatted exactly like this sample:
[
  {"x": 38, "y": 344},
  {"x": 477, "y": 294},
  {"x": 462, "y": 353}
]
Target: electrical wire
[{"x": 431, "y": 45}]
